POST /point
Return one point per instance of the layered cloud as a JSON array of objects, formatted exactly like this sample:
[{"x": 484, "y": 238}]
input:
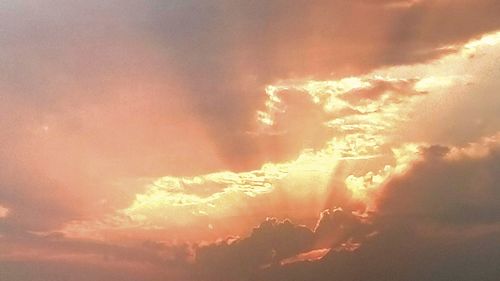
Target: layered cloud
[
  {"x": 134, "y": 134},
  {"x": 437, "y": 221},
  {"x": 47, "y": 256}
]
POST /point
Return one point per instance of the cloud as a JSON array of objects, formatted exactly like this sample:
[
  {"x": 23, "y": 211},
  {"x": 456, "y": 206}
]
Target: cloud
[
  {"x": 348, "y": 132},
  {"x": 341, "y": 38},
  {"x": 63, "y": 270},
  {"x": 447, "y": 187},
  {"x": 190, "y": 63},
  {"x": 267, "y": 244},
  {"x": 402, "y": 256},
  {"x": 439, "y": 220},
  {"x": 106, "y": 108},
  {"x": 38, "y": 256},
  {"x": 3, "y": 211},
  {"x": 274, "y": 242},
  {"x": 98, "y": 98},
  {"x": 33, "y": 204},
  {"x": 336, "y": 227}
]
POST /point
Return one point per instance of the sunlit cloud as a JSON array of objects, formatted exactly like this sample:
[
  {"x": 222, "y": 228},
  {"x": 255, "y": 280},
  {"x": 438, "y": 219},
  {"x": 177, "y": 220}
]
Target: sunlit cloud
[
  {"x": 363, "y": 116},
  {"x": 196, "y": 140}
]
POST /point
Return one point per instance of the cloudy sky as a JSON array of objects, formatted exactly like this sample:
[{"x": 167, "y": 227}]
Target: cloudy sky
[{"x": 230, "y": 140}]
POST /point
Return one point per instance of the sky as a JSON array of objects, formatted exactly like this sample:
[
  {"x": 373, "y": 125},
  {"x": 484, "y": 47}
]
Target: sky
[{"x": 230, "y": 140}]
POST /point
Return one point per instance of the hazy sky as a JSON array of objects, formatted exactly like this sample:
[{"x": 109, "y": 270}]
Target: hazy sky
[{"x": 249, "y": 140}]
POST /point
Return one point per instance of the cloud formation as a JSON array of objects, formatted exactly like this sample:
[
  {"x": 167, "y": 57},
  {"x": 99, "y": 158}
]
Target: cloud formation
[
  {"x": 252, "y": 109},
  {"x": 361, "y": 128},
  {"x": 271, "y": 243},
  {"x": 437, "y": 221}
]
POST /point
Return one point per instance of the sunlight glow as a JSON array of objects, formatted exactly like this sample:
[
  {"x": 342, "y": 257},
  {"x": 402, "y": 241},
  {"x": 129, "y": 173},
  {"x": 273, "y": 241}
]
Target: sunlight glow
[
  {"x": 4, "y": 212},
  {"x": 362, "y": 117}
]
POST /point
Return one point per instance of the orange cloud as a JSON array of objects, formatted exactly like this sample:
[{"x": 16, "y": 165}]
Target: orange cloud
[{"x": 251, "y": 109}]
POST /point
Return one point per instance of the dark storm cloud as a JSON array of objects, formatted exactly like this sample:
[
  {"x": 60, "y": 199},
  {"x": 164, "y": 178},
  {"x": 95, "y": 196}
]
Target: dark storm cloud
[
  {"x": 402, "y": 255},
  {"x": 268, "y": 243},
  {"x": 272, "y": 242}
]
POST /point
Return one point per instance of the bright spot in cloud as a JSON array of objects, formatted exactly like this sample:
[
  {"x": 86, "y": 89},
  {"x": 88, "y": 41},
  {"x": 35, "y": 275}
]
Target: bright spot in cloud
[{"x": 4, "y": 212}]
